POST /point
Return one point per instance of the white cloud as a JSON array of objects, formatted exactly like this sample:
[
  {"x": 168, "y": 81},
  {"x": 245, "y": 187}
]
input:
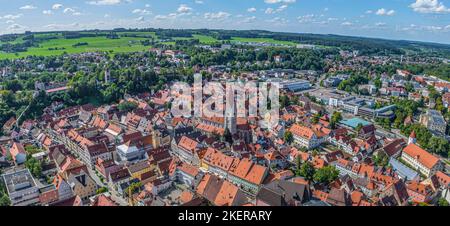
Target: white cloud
[
  {"x": 11, "y": 16},
  {"x": 251, "y": 10},
  {"x": 429, "y": 6},
  {"x": 385, "y": 12},
  {"x": 105, "y": 2},
  {"x": 141, "y": 12},
  {"x": 278, "y": 21},
  {"x": 217, "y": 16},
  {"x": 27, "y": 7},
  {"x": 347, "y": 23},
  {"x": 68, "y": 10},
  {"x": 279, "y": 1},
  {"x": 198, "y": 2},
  {"x": 57, "y": 6},
  {"x": 277, "y": 10},
  {"x": 183, "y": 8},
  {"x": 269, "y": 11},
  {"x": 47, "y": 12},
  {"x": 15, "y": 27},
  {"x": 249, "y": 19}
]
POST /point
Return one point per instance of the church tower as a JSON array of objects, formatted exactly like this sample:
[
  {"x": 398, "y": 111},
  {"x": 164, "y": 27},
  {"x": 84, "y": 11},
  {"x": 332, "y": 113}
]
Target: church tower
[
  {"x": 231, "y": 120},
  {"x": 412, "y": 138}
]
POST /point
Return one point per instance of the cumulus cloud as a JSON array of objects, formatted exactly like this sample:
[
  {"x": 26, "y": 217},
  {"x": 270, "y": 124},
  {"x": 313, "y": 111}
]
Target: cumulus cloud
[
  {"x": 347, "y": 23},
  {"x": 11, "y": 16},
  {"x": 277, "y": 10},
  {"x": 16, "y": 27},
  {"x": 385, "y": 12},
  {"x": 141, "y": 12},
  {"x": 183, "y": 8},
  {"x": 429, "y": 6},
  {"x": 57, "y": 6},
  {"x": 251, "y": 10},
  {"x": 216, "y": 16},
  {"x": 107, "y": 2},
  {"x": 47, "y": 12},
  {"x": 27, "y": 7},
  {"x": 279, "y": 1}
]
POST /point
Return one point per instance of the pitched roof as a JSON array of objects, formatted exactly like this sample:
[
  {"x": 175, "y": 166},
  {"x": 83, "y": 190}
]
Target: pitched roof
[
  {"x": 249, "y": 171},
  {"x": 188, "y": 144},
  {"x": 103, "y": 200},
  {"x": 424, "y": 157},
  {"x": 218, "y": 159},
  {"x": 227, "y": 194}
]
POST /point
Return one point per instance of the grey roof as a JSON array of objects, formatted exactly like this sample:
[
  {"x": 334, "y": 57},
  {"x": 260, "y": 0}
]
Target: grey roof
[
  {"x": 281, "y": 193},
  {"x": 402, "y": 170}
]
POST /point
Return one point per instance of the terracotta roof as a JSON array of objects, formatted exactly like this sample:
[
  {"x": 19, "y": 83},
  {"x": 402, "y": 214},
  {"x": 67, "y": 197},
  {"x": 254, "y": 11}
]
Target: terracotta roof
[
  {"x": 186, "y": 196},
  {"x": 188, "y": 144},
  {"x": 189, "y": 169},
  {"x": 102, "y": 200},
  {"x": 420, "y": 188},
  {"x": 17, "y": 148},
  {"x": 443, "y": 178},
  {"x": 218, "y": 159},
  {"x": 249, "y": 171},
  {"x": 226, "y": 195},
  {"x": 425, "y": 158}
]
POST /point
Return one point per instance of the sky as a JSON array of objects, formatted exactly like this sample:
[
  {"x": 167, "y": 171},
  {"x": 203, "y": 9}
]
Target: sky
[{"x": 421, "y": 20}]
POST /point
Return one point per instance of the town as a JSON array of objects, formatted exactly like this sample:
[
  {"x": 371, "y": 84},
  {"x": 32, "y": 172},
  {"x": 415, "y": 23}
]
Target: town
[{"x": 354, "y": 128}]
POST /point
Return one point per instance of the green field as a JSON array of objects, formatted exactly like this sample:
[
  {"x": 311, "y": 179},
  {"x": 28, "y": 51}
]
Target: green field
[
  {"x": 59, "y": 45},
  {"x": 48, "y": 48}
]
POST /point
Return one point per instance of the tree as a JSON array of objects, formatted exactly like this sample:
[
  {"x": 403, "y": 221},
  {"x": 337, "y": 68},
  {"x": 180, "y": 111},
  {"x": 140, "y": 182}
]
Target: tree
[
  {"x": 102, "y": 190},
  {"x": 442, "y": 202},
  {"x": 4, "y": 200},
  {"x": 438, "y": 145},
  {"x": 335, "y": 118},
  {"x": 315, "y": 118},
  {"x": 359, "y": 127},
  {"x": 307, "y": 171},
  {"x": 34, "y": 166},
  {"x": 326, "y": 175},
  {"x": 288, "y": 137},
  {"x": 127, "y": 106},
  {"x": 381, "y": 159}
]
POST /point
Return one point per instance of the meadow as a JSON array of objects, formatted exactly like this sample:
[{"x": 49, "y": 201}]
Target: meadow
[{"x": 128, "y": 41}]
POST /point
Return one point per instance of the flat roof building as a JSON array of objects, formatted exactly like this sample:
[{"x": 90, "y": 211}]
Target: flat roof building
[{"x": 21, "y": 187}]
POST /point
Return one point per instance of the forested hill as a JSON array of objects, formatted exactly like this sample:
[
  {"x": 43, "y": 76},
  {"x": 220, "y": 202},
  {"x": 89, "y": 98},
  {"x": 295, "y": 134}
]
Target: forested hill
[
  {"x": 363, "y": 44},
  {"x": 366, "y": 46}
]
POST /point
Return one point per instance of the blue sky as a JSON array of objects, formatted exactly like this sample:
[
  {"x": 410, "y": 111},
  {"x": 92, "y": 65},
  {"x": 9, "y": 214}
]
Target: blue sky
[{"x": 423, "y": 20}]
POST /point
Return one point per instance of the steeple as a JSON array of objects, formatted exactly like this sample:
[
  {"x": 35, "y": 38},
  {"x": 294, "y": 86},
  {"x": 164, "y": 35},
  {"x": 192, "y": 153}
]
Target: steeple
[
  {"x": 231, "y": 121},
  {"x": 412, "y": 138}
]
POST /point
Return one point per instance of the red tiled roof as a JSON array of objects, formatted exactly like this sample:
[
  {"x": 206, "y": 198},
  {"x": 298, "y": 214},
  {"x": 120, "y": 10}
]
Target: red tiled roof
[{"x": 424, "y": 157}]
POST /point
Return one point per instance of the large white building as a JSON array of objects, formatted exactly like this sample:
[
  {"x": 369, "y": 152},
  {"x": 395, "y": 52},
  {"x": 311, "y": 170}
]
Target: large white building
[
  {"x": 421, "y": 160},
  {"x": 309, "y": 137}
]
